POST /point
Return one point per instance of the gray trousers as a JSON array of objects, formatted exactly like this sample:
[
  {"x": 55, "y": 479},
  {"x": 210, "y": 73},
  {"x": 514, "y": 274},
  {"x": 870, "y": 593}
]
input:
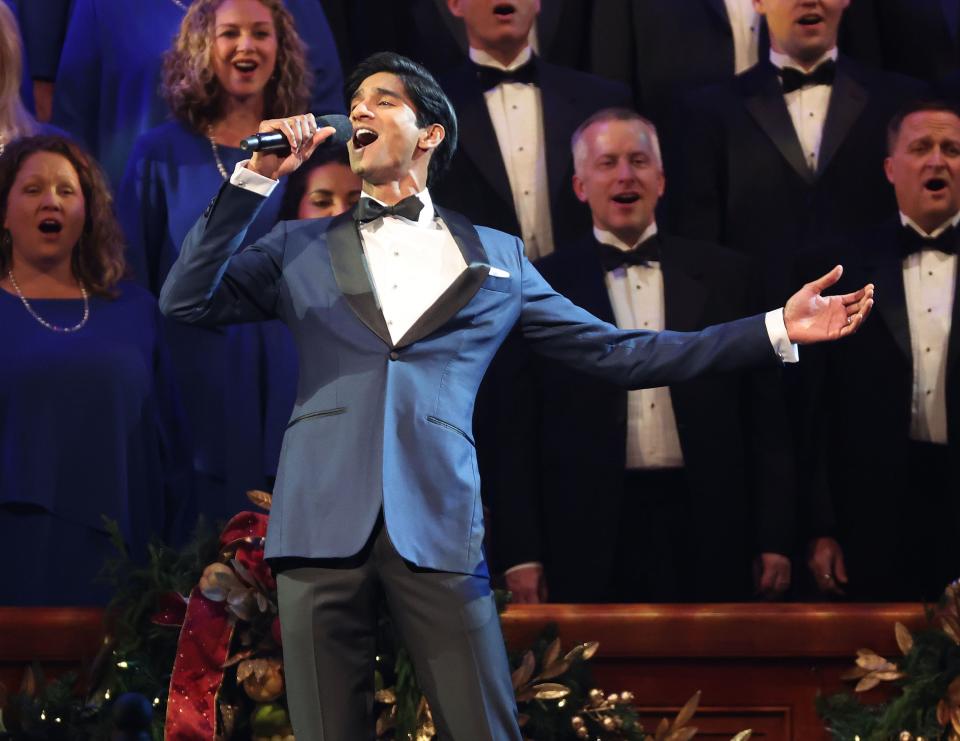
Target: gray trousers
[{"x": 448, "y": 622}]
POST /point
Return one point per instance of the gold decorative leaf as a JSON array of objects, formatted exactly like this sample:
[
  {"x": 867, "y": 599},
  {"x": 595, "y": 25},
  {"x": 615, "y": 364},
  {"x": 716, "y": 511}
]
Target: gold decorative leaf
[
  {"x": 867, "y": 683},
  {"x": 584, "y": 651},
  {"x": 743, "y": 735},
  {"x": 555, "y": 669},
  {"x": 889, "y": 676},
  {"x": 522, "y": 673},
  {"x": 872, "y": 662},
  {"x": 904, "y": 639},
  {"x": 687, "y": 711},
  {"x": 550, "y": 691},
  {"x": 854, "y": 673},
  {"x": 262, "y": 499},
  {"x": 682, "y": 734},
  {"x": 552, "y": 653},
  {"x": 662, "y": 729}
]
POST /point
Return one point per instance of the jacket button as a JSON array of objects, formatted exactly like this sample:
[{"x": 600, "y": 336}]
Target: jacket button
[{"x": 394, "y": 355}]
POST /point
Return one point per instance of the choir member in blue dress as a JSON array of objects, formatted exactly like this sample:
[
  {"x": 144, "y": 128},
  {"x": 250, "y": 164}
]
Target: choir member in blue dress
[
  {"x": 233, "y": 64},
  {"x": 110, "y": 71},
  {"x": 323, "y": 186},
  {"x": 89, "y": 422}
]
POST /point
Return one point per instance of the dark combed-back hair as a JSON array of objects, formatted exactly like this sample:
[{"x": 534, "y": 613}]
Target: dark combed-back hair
[
  {"x": 97, "y": 259},
  {"x": 920, "y": 105},
  {"x": 297, "y": 181},
  {"x": 194, "y": 93},
  {"x": 431, "y": 103}
]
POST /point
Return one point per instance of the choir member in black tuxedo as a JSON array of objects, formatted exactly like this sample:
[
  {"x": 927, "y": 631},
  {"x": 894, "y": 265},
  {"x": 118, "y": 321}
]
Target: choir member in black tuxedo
[
  {"x": 787, "y": 154},
  {"x": 884, "y": 512},
  {"x": 663, "y": 49},
  {"x": 661, "y": 494},
  {"x": 517, "y": 112},
  {"x": 426, "y": 30}
]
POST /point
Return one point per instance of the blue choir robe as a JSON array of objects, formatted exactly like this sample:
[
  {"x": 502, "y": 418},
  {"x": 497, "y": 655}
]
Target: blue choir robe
[
  {"x": 90, "y": 427},
  {"x": 238, "y": 383}
]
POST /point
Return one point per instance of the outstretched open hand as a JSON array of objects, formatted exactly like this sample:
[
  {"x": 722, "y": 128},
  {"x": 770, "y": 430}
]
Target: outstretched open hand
[{"x": 812, "y": 317}]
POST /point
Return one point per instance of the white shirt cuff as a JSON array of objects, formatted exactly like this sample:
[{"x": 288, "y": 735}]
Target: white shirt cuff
[
  {"x": 777, "y": 332},
  {"x": 525, "y": 565},
  {"x": 250, "y": 180}
]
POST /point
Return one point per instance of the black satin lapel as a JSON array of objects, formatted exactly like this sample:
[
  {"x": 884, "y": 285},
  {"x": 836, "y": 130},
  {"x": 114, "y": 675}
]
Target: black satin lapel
[
  {"x": 464, "y": 288},
  {"x": 479, "y": 140},
  {"x": 352, "y": 276},
  {"x": 887, "y": 274},
  {"x": 586, "y": 283},
  {"x": 560, "y": 116},
  {"x": 683, "y": 293},
  {"x": 847, "y": 102},
  {"x": 768, "y": 108}
]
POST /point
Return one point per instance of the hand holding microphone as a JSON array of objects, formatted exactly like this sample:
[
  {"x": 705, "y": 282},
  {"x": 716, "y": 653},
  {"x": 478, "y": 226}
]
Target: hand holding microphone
[{"x": 283, "y": 144}]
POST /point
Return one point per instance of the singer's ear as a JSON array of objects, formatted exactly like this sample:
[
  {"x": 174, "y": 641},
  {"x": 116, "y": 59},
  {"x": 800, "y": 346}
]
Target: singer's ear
[{"x": 431, "y": 136}]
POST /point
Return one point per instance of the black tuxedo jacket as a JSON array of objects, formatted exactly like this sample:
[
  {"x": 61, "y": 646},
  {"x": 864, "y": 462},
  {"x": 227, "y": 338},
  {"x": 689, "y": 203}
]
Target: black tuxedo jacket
[
  {"x": 572, "y": 430},
  {"x": 477, "y": 184},
  {"x": 913, "y": 37},
  {"x": 855, "y": 461},
  {"x": 744, "y": 182},
  {"x": 664, "y": 49}
]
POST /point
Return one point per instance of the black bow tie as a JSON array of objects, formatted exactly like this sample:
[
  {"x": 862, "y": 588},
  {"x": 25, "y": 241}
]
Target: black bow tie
[
  {"x": 794, "y": 79},
  {"x": 369, "y": 210},
  {"x": 490, "y": 77},
  {"x": 911, "y": 241},
  {"x": 643, "y": 254}
]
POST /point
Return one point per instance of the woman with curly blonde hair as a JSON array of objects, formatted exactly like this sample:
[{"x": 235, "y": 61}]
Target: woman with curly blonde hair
[
  {"x": 88, "y": 420},
  {"x": 110, "y": 73},
  {"x": 233, "y": 64}
]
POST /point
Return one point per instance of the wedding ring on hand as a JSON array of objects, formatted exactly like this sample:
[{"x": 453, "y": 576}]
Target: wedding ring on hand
[{"x": 828, "y": 577}]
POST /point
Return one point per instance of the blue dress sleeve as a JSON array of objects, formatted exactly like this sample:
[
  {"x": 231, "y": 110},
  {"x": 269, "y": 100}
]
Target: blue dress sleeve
[
  {"x": 312, "y": 25},
  {"x": 76, "y": 105}
]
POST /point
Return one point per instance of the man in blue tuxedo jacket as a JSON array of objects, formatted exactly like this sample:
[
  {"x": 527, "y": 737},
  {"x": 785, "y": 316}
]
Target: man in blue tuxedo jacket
[{"x": 397, "y": 309}]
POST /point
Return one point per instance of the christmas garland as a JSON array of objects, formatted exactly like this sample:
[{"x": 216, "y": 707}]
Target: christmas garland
[
  {"x": 210, "y": 665},
  {"x": 927, "y": 705}
]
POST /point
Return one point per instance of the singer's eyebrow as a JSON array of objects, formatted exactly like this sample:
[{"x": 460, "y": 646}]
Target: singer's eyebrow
[{"x": 380, "y": 91}]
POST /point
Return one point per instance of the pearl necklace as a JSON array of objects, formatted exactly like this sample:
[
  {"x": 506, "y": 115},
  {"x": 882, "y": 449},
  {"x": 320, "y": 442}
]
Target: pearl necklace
[
  {"x": 216, "y": 154},
  {"x": 44, "y": 322},
  {"x": 181, "y": 5},
  {"x": 3, "y": 146}
]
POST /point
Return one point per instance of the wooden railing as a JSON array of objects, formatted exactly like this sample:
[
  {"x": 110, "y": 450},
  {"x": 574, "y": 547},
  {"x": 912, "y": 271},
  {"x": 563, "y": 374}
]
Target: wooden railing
[{"x": 759, "y": 666}]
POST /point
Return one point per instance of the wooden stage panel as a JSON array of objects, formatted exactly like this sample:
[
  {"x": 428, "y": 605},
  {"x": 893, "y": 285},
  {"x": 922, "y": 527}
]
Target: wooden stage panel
[{"x": 758, "y": 666}]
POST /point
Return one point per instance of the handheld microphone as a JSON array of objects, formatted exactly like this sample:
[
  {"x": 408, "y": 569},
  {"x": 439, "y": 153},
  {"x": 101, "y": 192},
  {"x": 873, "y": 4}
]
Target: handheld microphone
[{"x": 273, "y": 142}]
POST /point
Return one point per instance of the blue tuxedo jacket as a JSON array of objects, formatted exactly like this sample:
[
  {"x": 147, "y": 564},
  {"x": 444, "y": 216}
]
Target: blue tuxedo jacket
[{"x": 383, "y": 424}]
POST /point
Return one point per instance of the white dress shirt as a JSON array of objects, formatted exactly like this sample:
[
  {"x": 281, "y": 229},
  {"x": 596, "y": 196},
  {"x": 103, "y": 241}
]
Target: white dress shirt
[
  {"x": 807, "y": 107},
  {"x": 516, "y": 112},
  {"x": 929, "y": 280},
  {"x": 636, "y": 295},
  {"x": 411, "y": 263},
  {"x": 745, "y": 27}
]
